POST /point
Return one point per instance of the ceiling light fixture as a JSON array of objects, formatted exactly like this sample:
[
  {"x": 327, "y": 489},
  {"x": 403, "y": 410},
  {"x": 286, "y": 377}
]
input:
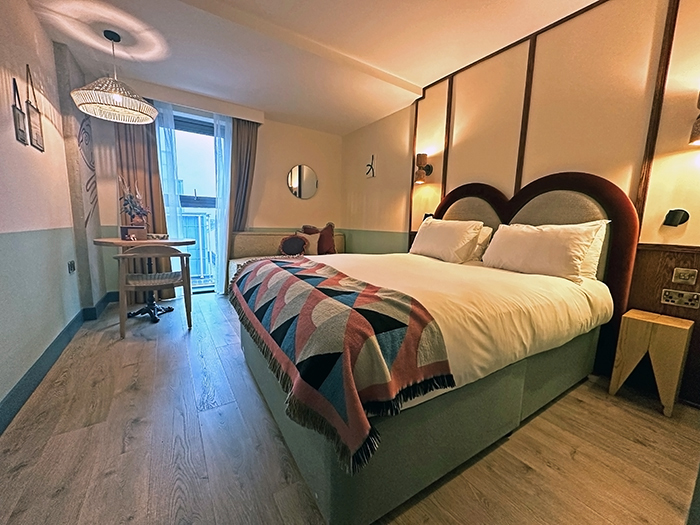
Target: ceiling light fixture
[
  {"x": 108, "y": 98},
  {"x": 424, "y": 169}
]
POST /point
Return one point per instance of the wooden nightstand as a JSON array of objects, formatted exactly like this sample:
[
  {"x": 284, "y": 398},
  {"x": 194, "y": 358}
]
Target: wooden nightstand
[{"x": 665, "y": 338}]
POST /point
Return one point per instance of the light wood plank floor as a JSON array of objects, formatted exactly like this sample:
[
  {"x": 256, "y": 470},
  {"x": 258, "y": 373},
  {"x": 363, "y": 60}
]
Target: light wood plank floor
[{"x": 167, "y": 426}]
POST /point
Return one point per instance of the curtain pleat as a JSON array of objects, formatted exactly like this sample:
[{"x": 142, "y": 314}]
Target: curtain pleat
[
  {"x": 167, "y": 158},
  {"x": 223, "y": 129},
  {"x": 244, "y": 143},
  {"x": 137, "y": 164}
]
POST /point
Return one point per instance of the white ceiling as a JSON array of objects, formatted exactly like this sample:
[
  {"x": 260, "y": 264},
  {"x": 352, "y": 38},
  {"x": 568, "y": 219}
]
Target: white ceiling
[{"x": 326, "y": 65}]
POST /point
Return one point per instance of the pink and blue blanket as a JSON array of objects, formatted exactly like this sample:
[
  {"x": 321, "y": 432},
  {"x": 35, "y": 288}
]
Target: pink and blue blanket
[{"x": 341, "y": 348}]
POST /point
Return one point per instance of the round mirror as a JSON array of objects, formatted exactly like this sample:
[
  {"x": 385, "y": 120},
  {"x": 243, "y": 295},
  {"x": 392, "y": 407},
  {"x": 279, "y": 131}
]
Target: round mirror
[{"x": 302, "y": 181}]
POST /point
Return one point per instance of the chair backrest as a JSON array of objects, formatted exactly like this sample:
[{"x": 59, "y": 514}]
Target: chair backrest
[
  {"x": 145, "y": 251},
  {"x": 150, "y": 277}
]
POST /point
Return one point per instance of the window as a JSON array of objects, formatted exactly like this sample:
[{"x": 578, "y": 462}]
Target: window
[{"x": 196, "y": 186}]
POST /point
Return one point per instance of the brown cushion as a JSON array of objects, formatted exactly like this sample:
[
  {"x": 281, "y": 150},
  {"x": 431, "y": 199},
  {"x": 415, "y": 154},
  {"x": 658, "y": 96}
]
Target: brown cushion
[
  {"x": 326, "y": 243},
  {"x": 293, "y": 245}
]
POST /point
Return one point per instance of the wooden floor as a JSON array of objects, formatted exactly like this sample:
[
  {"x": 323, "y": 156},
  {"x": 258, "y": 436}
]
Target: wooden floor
[{"x": 167, "y": 426}]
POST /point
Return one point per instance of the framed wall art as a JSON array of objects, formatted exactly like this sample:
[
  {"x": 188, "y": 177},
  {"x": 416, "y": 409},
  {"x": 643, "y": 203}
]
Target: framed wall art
[
  {"x": 36, "y": 133},
  {"x": 18, "y": 115}
]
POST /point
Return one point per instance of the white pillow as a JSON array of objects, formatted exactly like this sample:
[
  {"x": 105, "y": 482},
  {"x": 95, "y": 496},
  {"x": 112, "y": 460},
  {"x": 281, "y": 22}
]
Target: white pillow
[
  {"x": 551, "y": 249},
  {"x": 481, "y": 244},
  {"x": 450, "y": 241},
  {"x": 589, "y": 266},
  {"x": 312, "y": 244}
]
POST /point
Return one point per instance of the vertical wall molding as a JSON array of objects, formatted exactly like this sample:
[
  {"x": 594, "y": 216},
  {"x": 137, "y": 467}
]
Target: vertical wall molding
[
  {"x": 413, "y": 162},
  {"x": 518, "y": 42},
  {"x": 531, "y": 38},
  {"x": 527, "y": 97},
  {"x": 656, "y": 105},
  {"x": 448, "y": 134}
]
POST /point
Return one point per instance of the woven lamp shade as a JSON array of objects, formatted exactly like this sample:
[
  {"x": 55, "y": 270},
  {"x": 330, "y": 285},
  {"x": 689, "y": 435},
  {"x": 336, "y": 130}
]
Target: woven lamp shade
[{"x": 109, "y": 99}]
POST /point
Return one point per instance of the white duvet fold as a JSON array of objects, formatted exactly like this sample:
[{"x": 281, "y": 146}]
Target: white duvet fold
[{"x": 489, "y": 318}]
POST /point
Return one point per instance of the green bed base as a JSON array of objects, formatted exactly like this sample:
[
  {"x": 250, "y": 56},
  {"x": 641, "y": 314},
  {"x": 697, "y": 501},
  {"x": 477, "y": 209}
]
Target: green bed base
[{"x": 425, "y": 442}]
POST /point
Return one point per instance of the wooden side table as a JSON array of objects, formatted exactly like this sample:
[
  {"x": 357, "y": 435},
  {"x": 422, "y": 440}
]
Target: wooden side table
[{"x": 666, "y": 339}]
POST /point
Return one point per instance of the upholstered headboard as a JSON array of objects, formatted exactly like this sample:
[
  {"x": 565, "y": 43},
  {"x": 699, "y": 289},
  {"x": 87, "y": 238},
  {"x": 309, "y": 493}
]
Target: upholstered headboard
[{"x": 564, "y": 198}]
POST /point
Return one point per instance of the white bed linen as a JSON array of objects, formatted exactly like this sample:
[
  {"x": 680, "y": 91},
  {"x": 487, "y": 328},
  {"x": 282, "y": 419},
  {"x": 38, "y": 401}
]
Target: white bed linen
[{"x": 489, "y": 317}]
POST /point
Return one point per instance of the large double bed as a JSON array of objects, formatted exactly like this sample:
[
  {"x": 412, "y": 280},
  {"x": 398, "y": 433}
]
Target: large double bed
[{"x": 514, "y": 343}]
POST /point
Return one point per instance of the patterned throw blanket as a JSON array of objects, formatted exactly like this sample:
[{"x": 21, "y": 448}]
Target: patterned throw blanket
[{"x": 342, "y": 349}]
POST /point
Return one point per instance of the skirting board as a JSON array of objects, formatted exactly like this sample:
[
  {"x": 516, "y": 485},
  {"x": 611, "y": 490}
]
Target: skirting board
[
  {"x": 15, "y": 399},
  {"x": 94, "y": 312},
  {"x": 20, "y": 393}
]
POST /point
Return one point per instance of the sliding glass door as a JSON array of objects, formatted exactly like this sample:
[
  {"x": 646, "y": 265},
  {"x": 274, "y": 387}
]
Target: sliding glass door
[{"x": 188, "y": 169}]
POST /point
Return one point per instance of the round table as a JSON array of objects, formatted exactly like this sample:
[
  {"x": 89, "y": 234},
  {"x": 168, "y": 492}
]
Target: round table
[
  {"x": 151, "y": 308},
  {"x": 121, "y": 243}
]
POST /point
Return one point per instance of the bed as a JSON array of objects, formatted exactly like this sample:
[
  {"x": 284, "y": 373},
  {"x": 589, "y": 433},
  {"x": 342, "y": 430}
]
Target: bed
[{"x": 426, "y": 441}]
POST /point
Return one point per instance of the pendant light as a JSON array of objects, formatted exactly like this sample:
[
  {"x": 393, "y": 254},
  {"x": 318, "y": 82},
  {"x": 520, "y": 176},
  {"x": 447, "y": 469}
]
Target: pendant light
[{"x": 109, "y": 99}]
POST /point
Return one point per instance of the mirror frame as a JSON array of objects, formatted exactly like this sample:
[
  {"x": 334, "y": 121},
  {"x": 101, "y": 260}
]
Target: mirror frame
[{"x": 306, "y": 181}]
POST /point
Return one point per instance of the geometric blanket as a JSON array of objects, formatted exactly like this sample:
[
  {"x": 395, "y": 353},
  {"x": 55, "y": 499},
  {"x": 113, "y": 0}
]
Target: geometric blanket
[{"x": 342, "y": 349}]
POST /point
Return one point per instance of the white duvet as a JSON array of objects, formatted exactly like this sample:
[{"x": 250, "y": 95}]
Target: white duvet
[{"x": 489, "y": 318}]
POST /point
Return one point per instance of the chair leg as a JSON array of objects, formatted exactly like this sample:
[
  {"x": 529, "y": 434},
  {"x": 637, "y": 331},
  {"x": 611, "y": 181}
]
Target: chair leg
[
  {"x": 187, "y": 287},
  {"x": 122, "y": 314}
]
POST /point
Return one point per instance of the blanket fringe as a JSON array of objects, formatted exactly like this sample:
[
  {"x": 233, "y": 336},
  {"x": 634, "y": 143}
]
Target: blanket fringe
[
  {"x": 298, "y": 412},
  {"x": 352, "y": 463},
  {"x": 284, "y": 380},
  {"x": 392, "y": 407}
]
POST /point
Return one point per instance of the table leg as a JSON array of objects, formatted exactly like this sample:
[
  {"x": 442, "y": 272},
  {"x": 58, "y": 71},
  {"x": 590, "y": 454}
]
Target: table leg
[{"x": 151, "y": 309}]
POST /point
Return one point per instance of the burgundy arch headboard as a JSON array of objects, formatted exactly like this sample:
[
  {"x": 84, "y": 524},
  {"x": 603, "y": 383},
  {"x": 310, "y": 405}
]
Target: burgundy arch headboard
[{"x": 622, "y": 243}]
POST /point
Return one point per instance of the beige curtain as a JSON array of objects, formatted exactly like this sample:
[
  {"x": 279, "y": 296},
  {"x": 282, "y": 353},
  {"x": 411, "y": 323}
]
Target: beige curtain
[{"x": 137, "y": 164}]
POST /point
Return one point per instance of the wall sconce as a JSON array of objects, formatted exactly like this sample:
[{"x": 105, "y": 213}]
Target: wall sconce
[
  {"x": 676, "y": 217},
  {"x": 424, "y": 169},
  {"x": 695, "y": 132}
]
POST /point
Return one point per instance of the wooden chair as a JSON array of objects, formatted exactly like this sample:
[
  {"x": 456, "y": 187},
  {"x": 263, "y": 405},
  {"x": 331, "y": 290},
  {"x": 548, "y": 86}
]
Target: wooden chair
[{"x": 151, "y": 281}]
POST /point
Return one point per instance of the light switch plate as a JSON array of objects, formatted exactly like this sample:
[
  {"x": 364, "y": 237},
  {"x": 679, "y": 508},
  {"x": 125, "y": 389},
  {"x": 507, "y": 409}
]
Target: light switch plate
[
  {"x": 684, "y": 276},
  {"x": 679, "y": 298}
]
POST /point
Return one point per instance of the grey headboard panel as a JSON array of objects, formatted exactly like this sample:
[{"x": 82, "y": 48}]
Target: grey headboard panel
[
  {"x": 563, "y": 198},
  {"x": 565, "y": 207},
  {"x": 559, "y": 207},
  {"x": 473, "y": 209}
]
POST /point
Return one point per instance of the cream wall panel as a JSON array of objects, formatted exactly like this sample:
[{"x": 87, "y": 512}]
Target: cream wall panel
[
  {"x": 430, "y": 139},
  {"x": 592, "y": 91},
  {"x": 280, "y": 147},
  {"x": 379, "y": 203},
  {"x": 35, "y": 192},
  {"x": 487, "y": 108},
  {"x": 675, "y": 173}
]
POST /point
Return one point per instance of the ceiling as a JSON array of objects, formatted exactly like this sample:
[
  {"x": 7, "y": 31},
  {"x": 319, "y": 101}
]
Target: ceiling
[{"x": 325, "y": 65}]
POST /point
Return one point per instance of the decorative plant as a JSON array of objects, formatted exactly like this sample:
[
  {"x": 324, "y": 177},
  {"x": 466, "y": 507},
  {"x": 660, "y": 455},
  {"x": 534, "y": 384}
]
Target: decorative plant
[{"x": 131, "y": 202}]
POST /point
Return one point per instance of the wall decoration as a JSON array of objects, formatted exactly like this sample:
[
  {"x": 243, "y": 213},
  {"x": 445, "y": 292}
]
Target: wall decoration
[
  {"x": 18, "y": 115},
  {"x": 370, "y": 169},
  {"x": 36, "y": 133},
  {"x": 87, "y": 154}
]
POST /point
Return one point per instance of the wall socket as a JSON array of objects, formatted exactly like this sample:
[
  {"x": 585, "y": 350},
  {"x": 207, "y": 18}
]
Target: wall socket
[
  {"x": 684, "y": 276},
  {"x": 679, "y": 298},
  {"x": 71, "y": 267}
]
